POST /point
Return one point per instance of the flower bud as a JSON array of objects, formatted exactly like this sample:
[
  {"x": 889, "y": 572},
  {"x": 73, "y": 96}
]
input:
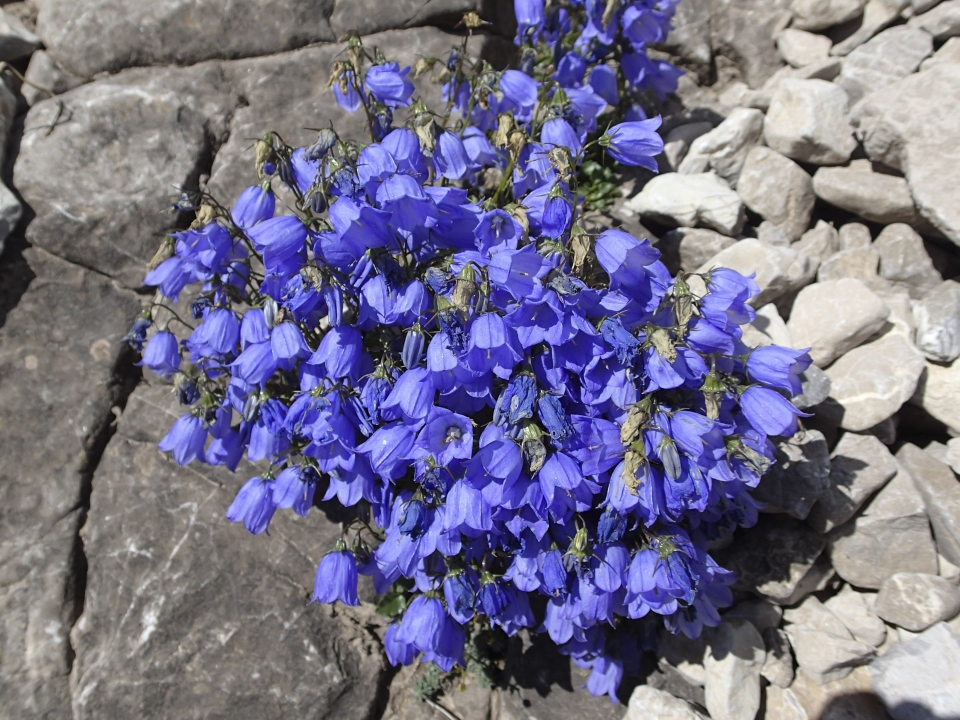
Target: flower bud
[{"x": 413, "y": 347}]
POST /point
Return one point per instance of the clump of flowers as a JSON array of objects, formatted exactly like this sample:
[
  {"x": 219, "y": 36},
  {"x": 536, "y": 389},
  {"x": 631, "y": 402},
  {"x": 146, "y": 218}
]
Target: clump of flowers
[{"x": 537, "y": 427}]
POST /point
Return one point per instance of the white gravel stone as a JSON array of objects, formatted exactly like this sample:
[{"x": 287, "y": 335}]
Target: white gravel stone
[
  {"x": 911, "y": 126},
  {"x": 859, "y": 263},
  {"x": 833, "y": 317},
  {"x": 859, "y": 466},
  {"x": 921, "y": 678},
  {"x": 891, "y": 535},
  {"x": 942, "y": 22},
  {"x": 891, "y": 55},
  {"x": 16, "y": 41},
  {"x": 904, "y": 260},
  {"x": 871, "y": 382},
  {"x": 733, "y": 663},
  {"x": 853, "y": 235},
  {"x": 778, "y": 270},
  {"x": 807, "y": 121},
  {"x": 824, "y": 648},
  {"x": 647, "y": 702},
  {"x": 822, "y": 14},
  {"x": 949, "y": 54},
  {"x": 783, "y": 704},
  {"x": 819, "y": 242},
  {"x": 677, "y": 143},
  {"x": 877, "y": 14},
  {"x": 778, "y": 190},
  {"x": 778, "y": 665},
  {"x": 703, "y": 199},
  {"x": 697, "y": 245},
  {"x": 800, "y": 48},
  {"x": 938, "y": 322},
  {"x": 762, "y": 614},
  {"x": 941, "y": 496},
  {"x": 724, "y": 148},
  {"x": 876, "y": 197},
  {"x": 938, "y": 392},
  {"x": 915, "y": 601},
  {"x": 853, "y": 610}
]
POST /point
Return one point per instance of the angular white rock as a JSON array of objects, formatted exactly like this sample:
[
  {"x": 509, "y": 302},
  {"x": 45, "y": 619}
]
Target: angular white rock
[
  {"x": 807, "y": 121},
  {"x": 873, "y": 196},
  {"x": 778, "y": 270},
  {"x": 871, "y": 382},
  {"x": 704, "y": 200},
  {"x": 778, "y": 190},
  {"x": 733, "y": 663},
  {"x": 800, "y": 48},
  {"x": 937, "y": 316},
  {"x": 939, "y": 393},
  {"x": 915, "y": 601},
  {"x": 853, "y": 610},
  {"x": 724, "y": 148},
  {"x": 891, "y": 55},
  {"x": 835, "y": 316},
  {"x": 647, "y": 702}
]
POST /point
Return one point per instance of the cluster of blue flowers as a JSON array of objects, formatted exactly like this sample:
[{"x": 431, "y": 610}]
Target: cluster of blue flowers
[{"x": 537, "y": 427}]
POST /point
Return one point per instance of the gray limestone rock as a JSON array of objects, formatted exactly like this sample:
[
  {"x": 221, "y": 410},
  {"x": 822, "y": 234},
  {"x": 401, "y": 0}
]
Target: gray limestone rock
[
  {"x": 940, "y": 491},
  {"x": 855, "y": 311},
  {"x": 891, "y": 535},
  {"x": 43, "y": 72},
  {"x": 689, "y": 38},
  {"x": 778, "y": 270},
  {"x": 917, "y": 680},
  {"x": 697, "y": 245},
  {"x": 948, "y": 53},
  {"x": 822, "y": 14},
  {"x": 942, "y": 22},
  {"x": 778, "y": 190},
  {"x": 850, "y": 698},
  {"x": 800, "y": 48},
  {"x": 938, "y": 392},
  {"x": 703, "y": 199},
  {"x": 61, "y": 371},
  {"x": 799, "y": 477},
  {"x": 819, "y": 242},
  {"x": 366, "y": 17},
  {"x": 724, "y": 149},
  {"x": 280, "y": 90},
  {"x": 825, "y": 650},
  {"x": 892, "y": 54},
  {"x": 877, "y": 14},
  {"x": 16, "y": 41},
  {"x": 778, "y": 665},
  {"x": 762, "y": 614},
  {"x": 101, "y": 184},
  {"x": 92, "y": 36},
  {"x": 684, "y": 655},
  {"x": 938, "y": 322},
  {"x": 859, "y": 466},
  {"x": 10, "y": 213},
  {"x": 856, "y": 613},
  {"x": 859, "y": 263},
  {"x": 807, "y": 121},
  {"x": 771, "y": 234},
  {"x": 773, "y": 557},
  {"x": 854, "y": 235},
  {"x": 647, "y": 702},
  {"x": 186, "y": 615},
  {"x": 814, "y": 388},
  {"x": 915, "y": 601},
  {"x": 904, "y": 260},
  {"x": 909, "y": 126},
  {"x": 873, "y": 196},
  {"x": 872, "y": 381},
  {"x": 733, "y": 663},
  {"x": 744, "y": 31},
  {"x": 677, "y": 143}
]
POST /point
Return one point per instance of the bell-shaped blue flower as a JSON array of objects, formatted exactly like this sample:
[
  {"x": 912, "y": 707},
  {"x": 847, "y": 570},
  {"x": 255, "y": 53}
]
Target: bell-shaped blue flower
[
  {"x": 162, "y": 354},
  {"x": 769, "y": 412},
  {"x": 389, "y": 84},
  {"x": 253, "y": 505},
  {"x": 635, "y": 143},
  {"x": 337, "y": 579},
  {"x": 778, "y": 367},
  {"x": 185, "y": 439}
]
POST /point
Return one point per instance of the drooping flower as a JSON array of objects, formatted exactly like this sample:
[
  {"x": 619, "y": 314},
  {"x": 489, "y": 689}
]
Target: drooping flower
[
  {"x": 337, "y": 579},
  {"x": 635, "y": 143}
]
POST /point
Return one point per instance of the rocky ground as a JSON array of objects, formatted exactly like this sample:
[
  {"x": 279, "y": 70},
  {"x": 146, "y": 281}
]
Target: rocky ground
[{"x": 813, "y": 142}]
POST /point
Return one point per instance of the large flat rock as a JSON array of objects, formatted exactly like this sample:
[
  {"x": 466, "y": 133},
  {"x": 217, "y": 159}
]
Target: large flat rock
[
  {"x": 101, "y": 181},
  {"x": 92, "y": 36},
  {"x": 287, "y": 93},
  {"x": 911, "y": 125},
  {"x": 188, "y": 616},
  {"x": 59, "y": 355}
]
